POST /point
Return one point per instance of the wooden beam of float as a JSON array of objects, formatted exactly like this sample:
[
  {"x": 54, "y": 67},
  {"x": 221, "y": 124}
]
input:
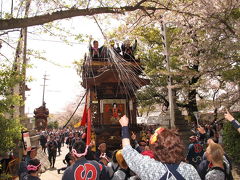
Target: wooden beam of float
[{"x": 110, "y": 76}]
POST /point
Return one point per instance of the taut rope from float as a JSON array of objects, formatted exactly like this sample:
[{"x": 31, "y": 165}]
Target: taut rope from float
[
  {"x": 105, "y": 37},
  {"x": 75, "y": 110}
]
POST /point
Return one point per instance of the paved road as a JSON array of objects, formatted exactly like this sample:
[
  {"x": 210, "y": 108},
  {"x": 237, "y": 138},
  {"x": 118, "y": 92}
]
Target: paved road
[{"x": 52, "y": 174}]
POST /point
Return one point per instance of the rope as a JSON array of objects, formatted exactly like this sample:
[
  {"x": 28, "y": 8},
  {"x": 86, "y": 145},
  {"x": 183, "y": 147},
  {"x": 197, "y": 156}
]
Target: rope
[
  {"x": 100, "y": 29},
  {"x": 75, "y": 110}
]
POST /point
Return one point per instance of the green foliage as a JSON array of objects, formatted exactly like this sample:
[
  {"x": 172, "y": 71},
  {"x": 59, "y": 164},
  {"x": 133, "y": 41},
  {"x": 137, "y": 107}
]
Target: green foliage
[
  {"x": 53, "y": 125},
  {"x": 10, "y": 130},
  {"x": 232, "y": 74},
  {"x": 235, "y": 13},
  {"x": 79, "y": 66},
  {"x": 151, "y": 55},
  {"x": 231, "y": 140},
  {"x": 5, "y": 176},
  {"x": 8, "y": 16}
]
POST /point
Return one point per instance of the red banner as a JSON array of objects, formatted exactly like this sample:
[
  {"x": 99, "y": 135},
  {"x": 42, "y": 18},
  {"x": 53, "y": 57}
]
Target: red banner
[{"x": 89, "y": 126}]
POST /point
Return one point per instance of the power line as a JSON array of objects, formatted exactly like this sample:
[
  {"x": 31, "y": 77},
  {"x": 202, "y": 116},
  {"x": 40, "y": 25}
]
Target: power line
[
  {"x": 52, "y": 41},
  {"x": 47, "y": 40}
]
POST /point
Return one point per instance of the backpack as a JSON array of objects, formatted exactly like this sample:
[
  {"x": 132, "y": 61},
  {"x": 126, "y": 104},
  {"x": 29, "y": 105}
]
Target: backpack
[
  {"x": 114, "y": 170},
  {"x": 228, "y": 176},
  {"x": 227, "y": 167},
  {"x": 219, "y": 169},
  {"x": 172, "y": 171},
  {"x": 126, "y": 172}
]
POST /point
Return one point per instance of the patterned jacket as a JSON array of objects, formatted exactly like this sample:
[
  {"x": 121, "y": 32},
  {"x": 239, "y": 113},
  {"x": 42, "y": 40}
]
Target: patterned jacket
[
  {"x": 215, "y": 174},
  {"x": 150, "y": 169},
  {"x": 83, "y": 169}
]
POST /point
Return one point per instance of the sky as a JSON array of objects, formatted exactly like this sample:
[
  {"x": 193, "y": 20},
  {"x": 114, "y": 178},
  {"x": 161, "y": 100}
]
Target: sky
[{"x": 63, "y": 84}]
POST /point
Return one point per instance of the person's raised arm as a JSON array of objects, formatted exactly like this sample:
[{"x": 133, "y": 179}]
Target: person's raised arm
[
  {"x": 134, "y": 138},
  {"x": 202, "y": 132},
  {"x": 135, "y": 161},
  {"x": 125, "y": 131},
  {"x": 231, "y": 119}
]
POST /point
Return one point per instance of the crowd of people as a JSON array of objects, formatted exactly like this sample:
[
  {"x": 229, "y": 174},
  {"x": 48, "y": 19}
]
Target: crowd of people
[
  {"x": 102, "y": 53},
  {"x": 148, "y": 156}
]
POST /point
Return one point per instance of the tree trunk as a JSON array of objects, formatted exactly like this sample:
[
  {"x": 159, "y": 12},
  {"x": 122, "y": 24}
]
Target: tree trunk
[
  {"x": 192, "y": 95},
  {"x": 19, "y": 66}
]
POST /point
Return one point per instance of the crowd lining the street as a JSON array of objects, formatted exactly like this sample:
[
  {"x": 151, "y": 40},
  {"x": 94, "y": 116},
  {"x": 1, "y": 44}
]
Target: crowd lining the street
[{"x": 151, "y": 155}]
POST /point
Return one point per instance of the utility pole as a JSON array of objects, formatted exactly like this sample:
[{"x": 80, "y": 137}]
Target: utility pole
[
  {"x": 44, "y": 85},
  {"x": 170, "y": 92},
  {"x": 24, "y": 63}
]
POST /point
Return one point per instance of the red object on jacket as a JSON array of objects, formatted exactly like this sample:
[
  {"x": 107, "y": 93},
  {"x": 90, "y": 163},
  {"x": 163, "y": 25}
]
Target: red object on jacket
[{"x": 148, "y": 153}]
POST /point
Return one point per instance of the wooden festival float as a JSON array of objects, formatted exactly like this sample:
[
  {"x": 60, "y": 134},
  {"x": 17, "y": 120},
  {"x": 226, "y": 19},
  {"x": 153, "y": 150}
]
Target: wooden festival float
[
  {"x": 41, "y": 114},
  {"x": 112, "y": 83}
]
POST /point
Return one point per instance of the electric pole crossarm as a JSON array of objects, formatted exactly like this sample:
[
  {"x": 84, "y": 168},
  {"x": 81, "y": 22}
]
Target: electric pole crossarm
[{"x": 44, "y": 86}]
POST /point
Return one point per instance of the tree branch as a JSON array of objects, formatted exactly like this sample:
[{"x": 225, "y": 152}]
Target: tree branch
[
  {"x": 228, "y": 27},
  {"x": 7, "y": 43},
  {"x": 73, "y": 12},
  {"x": 165, "y": 101},
  {"x": 6, "y": 32},
  {"x": 5, "y": 57}
]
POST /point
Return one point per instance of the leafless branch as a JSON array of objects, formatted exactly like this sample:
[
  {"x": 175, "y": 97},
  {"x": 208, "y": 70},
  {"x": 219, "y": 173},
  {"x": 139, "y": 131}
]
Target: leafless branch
[
  {"x": 136, "y": 22},
  {"x": 7, "y": 43},
  {"x": 6, "y": 32},
  {"x": 5, "y": 58}
]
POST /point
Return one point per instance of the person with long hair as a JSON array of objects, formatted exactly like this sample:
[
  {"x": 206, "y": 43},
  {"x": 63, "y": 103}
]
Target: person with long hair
[{"x": 168, "y": 161}]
